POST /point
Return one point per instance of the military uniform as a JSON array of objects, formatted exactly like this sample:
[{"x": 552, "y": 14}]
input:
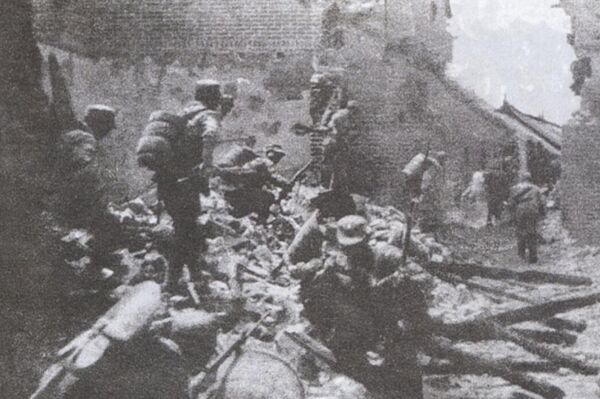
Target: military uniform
[
  {"x": 497, "y": 191},
  {"x": 173, "y": 146},
  {"x": 431, "y": 207},
  {"x": 356, "y": 296},
  {"x": 526, "y": 206},
  {"x": 247, "y": 184}
]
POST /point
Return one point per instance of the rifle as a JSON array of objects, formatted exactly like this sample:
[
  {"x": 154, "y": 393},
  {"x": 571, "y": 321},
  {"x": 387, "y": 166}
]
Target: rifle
[
  {"x": 300, "y": 129},
  {"x": 201, "y": 381},
  {"x": 418, "y": 180},
  {"x": 407, "y": 233},
  {"x": 297, "y": 176},
  {"x": 249, "y": 141}
]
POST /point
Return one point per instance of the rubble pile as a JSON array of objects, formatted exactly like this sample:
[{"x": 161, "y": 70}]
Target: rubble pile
[
  {"x": 246, "y": 259},
  {"x": 250, "y": 264}
]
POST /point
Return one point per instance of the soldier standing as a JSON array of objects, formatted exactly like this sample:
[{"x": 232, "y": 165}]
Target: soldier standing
[
  {"x": 179, "y": 149},
  {"x": 526, "y": 206},
  {"x": 496, "y": 190},
  {"x": 431, "y": 207}
]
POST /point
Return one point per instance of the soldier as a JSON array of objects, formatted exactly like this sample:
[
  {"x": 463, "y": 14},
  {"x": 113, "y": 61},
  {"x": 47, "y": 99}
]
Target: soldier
[
  {"x": 99, "y": 120},
  {"x": 526, "y": 206},
  {"x": 140, "y": 348},
  {"x": 497, "y": 191},
  {"x": 335, "y": 152},
  {"x": 367, "y": 305},
  {"x": 77, "y": 186},
  {"x": 413, "y": 174},
  {"x": 249, "y": 178},
  {"x": 179, "y": 149},
  {"x": 321, "y": 90},
  {"x": 431, "y": 207},
  {"x": 79, "y": 198}
]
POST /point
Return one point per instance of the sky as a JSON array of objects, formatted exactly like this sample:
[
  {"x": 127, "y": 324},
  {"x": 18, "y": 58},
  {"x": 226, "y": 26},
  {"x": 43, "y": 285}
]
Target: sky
[{"x": 515, "y": 49}]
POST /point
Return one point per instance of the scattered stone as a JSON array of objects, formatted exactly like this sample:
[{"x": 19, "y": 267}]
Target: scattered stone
[{"x": 77, "y": 244}]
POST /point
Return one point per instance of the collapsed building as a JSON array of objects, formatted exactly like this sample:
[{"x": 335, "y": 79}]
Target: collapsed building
[{"x": 425, "y": 116}]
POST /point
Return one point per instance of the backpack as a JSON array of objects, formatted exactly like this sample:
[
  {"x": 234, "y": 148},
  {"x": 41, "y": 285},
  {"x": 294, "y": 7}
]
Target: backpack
[{"x": 184, "y": 143}]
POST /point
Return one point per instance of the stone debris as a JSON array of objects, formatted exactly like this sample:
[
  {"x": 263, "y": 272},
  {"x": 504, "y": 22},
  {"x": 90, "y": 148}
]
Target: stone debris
[{"x": 254, "y": 268}]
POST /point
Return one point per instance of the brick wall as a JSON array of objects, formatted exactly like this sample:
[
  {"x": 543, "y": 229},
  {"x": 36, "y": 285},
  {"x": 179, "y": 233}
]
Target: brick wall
[
  {"x": 137, "y": 89},
  {"x": 186, "y": 28},
  {"x": 384, "y": 86},
  {"x": 390, "y": 91}
]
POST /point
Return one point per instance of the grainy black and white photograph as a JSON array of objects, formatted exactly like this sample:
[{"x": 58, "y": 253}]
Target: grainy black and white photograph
[{"x": 299, "y": 199}]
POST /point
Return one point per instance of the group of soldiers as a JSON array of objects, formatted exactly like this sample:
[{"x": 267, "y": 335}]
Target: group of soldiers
[{"x": 363, "y": 299}]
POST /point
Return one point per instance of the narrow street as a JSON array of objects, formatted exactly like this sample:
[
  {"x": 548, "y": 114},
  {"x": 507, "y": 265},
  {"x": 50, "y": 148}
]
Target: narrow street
[{"x": 495, "y": 246}]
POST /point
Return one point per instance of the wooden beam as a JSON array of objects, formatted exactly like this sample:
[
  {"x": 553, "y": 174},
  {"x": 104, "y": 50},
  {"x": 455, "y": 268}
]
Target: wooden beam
[
  {"x": 437, "y": 367},
  {"x": 443, "y": 348},
  {"x": 547, "y": 336},
  {"x": 540, "y": 311},
  {"x": 467, "y": 270}
]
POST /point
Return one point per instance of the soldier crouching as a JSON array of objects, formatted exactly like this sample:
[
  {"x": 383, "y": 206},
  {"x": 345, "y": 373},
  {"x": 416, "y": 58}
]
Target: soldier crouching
[{"x": 371, "y": 310}]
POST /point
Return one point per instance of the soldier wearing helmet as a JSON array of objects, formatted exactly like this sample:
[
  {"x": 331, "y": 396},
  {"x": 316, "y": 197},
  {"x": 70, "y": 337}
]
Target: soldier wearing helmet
[
  {"x": 526, "y": 206},
  {"x": 179, "y": 150},
  {"x": 249, "y": 179},
  {"x": 99, "y": 120},
  {"x": 321, "y": 90},
  {"x": 371, "y": 307}
]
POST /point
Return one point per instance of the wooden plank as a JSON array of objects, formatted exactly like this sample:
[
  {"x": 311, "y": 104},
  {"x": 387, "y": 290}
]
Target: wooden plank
[
  {"x": 564, "y": 324},
  {"x": 547, "y": 336},
  {"x": 437, "y": 367},
  {"x": 540, "y": 311},
  {"x": 467, "y": 270},
  {"x": 443, "y": 348}
]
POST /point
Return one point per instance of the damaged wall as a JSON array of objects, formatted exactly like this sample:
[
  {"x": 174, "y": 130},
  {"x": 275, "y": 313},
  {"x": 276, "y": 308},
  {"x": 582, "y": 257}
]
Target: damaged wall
[
  {"x": 270, "y": 100},
  {"x": 407, "y": 105},
  {"x": 185, "y": 30},
  {"x": 406, "y": 101},
  {"x": 580, "y": 183},
  {"x": 24, "y": 133}
]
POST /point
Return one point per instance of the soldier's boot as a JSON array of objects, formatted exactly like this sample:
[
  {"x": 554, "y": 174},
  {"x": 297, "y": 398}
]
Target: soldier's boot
[
  {"x": 532, "y": 246},
  {"x": 171, "y": 283}
]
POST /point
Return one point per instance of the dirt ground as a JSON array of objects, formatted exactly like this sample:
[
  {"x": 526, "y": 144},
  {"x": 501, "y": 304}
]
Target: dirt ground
[{"x": 496, "y": 246}]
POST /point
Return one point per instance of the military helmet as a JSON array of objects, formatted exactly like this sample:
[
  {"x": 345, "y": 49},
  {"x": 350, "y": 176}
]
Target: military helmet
[
  {"x": 351, "y": 230},
  {"x": 320, "y": 80},
  {"x": 274, "y": 149},
  {"x": 100, "y": 111},
  {"x": 100, "y": 119}
]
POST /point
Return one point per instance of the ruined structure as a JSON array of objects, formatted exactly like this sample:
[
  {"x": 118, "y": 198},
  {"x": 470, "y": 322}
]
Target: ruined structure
[
  {"x": 581, "y": 175},
  {"x": 184, "y": 30},
  {"x": 393, "y": 56}
]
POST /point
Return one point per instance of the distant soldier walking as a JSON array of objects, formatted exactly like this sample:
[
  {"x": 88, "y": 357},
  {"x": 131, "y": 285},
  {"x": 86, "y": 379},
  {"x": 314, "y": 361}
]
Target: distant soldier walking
[
  {"x": 526, "y": 206},
  {"x": 496, "y": 191}
]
